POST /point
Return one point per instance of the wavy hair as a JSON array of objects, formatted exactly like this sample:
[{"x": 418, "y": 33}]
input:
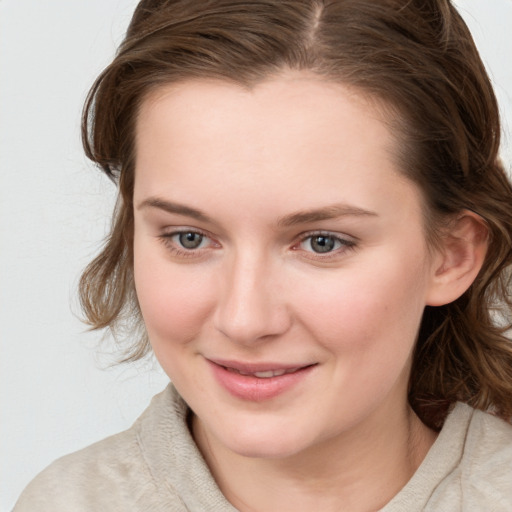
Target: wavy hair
[{"x": 416, "y": 57}]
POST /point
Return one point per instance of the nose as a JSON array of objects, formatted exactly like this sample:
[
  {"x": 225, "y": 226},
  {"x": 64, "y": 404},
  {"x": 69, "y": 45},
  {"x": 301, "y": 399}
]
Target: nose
[{"x": 252, "y": 306}]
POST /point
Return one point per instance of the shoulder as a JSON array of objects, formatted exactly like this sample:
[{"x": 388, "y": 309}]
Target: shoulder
[
  {"x": 486, "y": 465},
  {"x": 488, "y": 436},
  {"x": 112, "y": 474},
  {"x": 468, "y": 468},
  {"x": 482, "y": 477},
  {"x": 89, "y": 479}
]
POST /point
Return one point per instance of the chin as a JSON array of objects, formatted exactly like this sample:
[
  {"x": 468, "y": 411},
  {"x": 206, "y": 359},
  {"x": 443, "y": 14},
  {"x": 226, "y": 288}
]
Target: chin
[
  {"x": 265, "y": 450},
  {"x": 265, "y": 442}
]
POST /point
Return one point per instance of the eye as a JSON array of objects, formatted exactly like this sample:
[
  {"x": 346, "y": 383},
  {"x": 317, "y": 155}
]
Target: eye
[
  {"x": 189, "y": 239},
  {"x": 187, "y": 243},
  {"x": 324, "y": 243},
  {"x": 321, "y": 243}
]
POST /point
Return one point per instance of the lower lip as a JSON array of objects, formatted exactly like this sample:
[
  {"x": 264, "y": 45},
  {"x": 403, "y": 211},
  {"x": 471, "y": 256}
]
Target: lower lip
[{"x": 254, "y": 389}]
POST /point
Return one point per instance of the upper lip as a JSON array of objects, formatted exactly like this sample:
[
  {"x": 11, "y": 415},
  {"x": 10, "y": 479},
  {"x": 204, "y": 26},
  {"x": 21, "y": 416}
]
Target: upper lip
[{"x": 247, "y": 367}]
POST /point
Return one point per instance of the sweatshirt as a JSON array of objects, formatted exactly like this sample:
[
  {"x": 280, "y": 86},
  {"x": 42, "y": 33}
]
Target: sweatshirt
[{"x": 155, "y": 466}]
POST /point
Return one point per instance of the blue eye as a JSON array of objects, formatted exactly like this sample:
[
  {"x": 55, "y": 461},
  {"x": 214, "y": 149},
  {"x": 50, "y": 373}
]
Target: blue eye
[
  {"x": 324, "y": 243},
  {"x": 189, "y": 239},
  {"x": 186, "y": 243}
]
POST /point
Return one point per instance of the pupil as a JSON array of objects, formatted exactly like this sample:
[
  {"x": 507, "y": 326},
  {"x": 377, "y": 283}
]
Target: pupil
[
  {"x": 190, "y": 240},
  {"x": 322, "y": 243}
]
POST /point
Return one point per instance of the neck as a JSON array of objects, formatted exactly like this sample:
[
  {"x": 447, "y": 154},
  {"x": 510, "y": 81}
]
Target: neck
[{"x": 358, "y": 471}]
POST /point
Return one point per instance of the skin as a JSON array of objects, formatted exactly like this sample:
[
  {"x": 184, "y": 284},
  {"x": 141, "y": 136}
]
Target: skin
[{"x": 343, "y": 437}]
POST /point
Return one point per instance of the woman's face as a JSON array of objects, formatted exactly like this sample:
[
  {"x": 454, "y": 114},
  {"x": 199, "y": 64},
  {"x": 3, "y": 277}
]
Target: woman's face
[{"x": 280, "y": 259}]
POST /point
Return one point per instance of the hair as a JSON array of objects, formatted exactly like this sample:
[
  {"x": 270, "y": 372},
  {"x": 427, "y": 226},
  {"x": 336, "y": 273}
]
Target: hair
[{"x": 416, "y": 57}]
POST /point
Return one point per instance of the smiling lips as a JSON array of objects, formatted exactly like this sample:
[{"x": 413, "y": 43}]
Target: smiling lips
[
  {"x": 257, "y": 382},
  {"x": 267, "y": 374}
]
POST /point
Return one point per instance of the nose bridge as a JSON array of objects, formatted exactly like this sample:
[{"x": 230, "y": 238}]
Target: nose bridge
[{"x": 250, "y": 307}]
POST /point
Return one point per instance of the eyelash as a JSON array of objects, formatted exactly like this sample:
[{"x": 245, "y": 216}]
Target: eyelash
[
  {"x": 345, "y": 244},
  {"x": 167, "y": 240}
]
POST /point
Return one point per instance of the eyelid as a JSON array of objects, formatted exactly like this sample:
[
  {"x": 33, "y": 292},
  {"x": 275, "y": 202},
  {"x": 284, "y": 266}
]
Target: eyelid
[
  {"x": 343, "y": 237},
  {"x": 348, "y": 243},
  {"x": 167, "y": 235},
  {"x": 177, "y": 230}
]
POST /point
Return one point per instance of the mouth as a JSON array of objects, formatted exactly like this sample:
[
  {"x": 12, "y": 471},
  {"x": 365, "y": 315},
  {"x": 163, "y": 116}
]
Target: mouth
[
  {"x": 265, "y": 374},
  {"x": 257, "y": 382},
  {"x": 265, "y": 370}
]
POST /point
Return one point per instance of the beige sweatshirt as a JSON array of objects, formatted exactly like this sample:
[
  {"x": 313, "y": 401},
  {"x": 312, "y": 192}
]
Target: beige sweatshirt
[{"x": 155, "y": 467}]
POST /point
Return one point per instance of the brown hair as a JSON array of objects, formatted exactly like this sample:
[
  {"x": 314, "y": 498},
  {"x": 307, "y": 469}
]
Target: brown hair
[{"x": 417, "y": 57}]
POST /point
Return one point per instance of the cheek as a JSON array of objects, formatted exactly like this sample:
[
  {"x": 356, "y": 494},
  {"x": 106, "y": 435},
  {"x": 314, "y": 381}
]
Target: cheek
[
  {"x": 358, "y": 309},
  {"x": 173, "y": 299}
]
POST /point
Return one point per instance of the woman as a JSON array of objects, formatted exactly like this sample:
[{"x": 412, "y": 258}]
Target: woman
[{"x": 313, "y": 234}]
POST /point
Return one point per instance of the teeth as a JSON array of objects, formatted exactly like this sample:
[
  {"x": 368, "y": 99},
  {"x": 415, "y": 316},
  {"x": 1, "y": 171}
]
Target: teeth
[
  {"x": 264, "y": 375},
  {"x": 269, "y": 373}
]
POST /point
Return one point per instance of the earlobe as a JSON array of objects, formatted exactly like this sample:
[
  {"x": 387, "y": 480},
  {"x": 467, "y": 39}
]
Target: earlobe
[{"x": 459, "y": 259}]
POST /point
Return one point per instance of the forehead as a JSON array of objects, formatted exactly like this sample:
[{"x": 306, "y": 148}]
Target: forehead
[
  {"x": 298, "y": 101},
  {"x": 294, "y": 137}
]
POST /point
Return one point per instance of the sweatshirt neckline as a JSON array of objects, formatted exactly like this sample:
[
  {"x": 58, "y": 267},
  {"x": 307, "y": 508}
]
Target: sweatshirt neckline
[
  {"x": 442, "y": 458},
  {"x": 177, "y": 465}
]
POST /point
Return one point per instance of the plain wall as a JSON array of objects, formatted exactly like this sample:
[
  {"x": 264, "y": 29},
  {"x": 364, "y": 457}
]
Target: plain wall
[{"x": 54, "y": 211}]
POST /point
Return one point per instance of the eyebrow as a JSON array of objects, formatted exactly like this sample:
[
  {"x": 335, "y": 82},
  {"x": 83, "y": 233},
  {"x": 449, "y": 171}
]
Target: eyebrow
[
  {"x": 177, "y": 208},
  {"x": 333, "y": 211}
]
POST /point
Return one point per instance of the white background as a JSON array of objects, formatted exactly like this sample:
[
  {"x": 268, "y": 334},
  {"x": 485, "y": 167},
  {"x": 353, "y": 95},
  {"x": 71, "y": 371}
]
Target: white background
[{"x": 56, "y": 395}]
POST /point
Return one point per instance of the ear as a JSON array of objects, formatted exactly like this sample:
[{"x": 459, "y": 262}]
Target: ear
[{"x": 459, "y": 259}]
